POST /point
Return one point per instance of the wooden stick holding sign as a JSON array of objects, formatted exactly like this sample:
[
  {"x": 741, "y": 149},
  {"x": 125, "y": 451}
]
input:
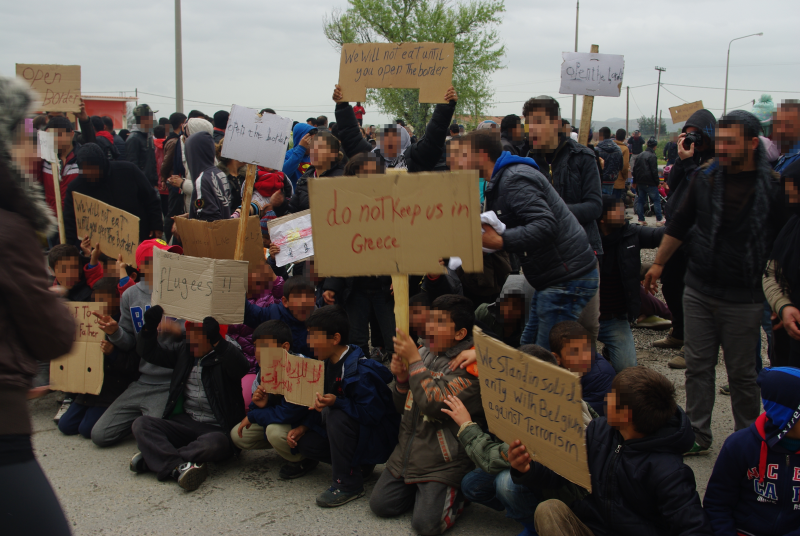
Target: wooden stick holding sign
[
  {"x": 247, "y": 196},
  {"x": 586, "y": 113}
]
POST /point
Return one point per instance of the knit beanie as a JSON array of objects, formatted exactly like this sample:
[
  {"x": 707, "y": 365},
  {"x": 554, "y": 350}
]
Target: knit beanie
[
  {"x": 752, "y": 126},
  {"x": 268, "y": 216},
  {"x": 780, "y": 393}
]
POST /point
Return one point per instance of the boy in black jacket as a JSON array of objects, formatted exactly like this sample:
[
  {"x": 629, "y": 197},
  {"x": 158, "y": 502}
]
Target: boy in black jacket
[
  {"x": 640, "y": 485},
  {"x": 205, "y": 401}
]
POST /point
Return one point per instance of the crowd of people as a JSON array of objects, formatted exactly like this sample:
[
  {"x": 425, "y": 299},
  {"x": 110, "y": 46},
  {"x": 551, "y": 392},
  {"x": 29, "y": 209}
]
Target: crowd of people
[{"x": 562, "y": 271}]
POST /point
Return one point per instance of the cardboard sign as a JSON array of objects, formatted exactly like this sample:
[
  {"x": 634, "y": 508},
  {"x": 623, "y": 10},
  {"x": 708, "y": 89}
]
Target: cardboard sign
[
  {"x": 193, "y": 288},
  {"x": 684, "y": 111},
  {"x": 295, "y": 377},
  {"x": 596, "y": 75},
  {"x": 292, "y": 234},
  {"x": 427, "y": 66},
  {"x": 217, "y": 239},
  {"x": 536, "y": 402},
  {"x": 257, "y": 139},
  {"x": 395, "y": 224},
  {"x": 81, "y": 370},
  {"x": 58, "y": 85},
  {"x": 46, "y": 148},
  {"x": 116, "y": 230}
]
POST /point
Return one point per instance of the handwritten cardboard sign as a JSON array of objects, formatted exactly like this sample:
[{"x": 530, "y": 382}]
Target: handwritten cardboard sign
[
  {"x": 257, "y": 139},
  {"x": 81, "y": 370},
  {"x": 395, "y": 224},
  {"x": 684, "y": 111},
  {"x": 295, "y": 377},
  {"x": 217, "y": 240},
  {"x": 58, "y": 85},
  {"x": 536, "y": 402},
  {"x": 596, "y": 75},
  {"x": 427, "y": 66},
  {"x": 292, "y": 234},
  {"x": 116, "y": 230},
  {"x": 193, "y": 288}
]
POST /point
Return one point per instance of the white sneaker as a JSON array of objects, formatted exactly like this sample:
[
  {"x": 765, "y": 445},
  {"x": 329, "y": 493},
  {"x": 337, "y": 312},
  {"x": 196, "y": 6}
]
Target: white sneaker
[{"x": 63, "y": 409}]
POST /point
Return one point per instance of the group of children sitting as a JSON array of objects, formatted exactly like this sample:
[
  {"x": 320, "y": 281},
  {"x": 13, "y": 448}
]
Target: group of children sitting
[{"x": 193, "y": 393}]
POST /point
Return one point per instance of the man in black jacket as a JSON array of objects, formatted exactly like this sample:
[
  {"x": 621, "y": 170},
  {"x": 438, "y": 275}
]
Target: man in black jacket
[
  {"x": 140, "y": 149},
  {"x": 511, "y": 133},
  {"x": 556, "y": 257},
  {"x": 119, "y": 143},
  {"x": 207, "y": 375},
  {"x": 635, "y": 143},
  {"x": 735, "y": 208},
  {"x": 671, "y": 150},
  {"x": 612, "y": 161},
  {"x": 645, "y": 179},
  {"x": 117, "y": 183}
]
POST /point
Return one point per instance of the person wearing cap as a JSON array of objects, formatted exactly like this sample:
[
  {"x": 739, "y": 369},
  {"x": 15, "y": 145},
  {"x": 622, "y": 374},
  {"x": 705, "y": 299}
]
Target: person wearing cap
[
  {"x": 754, "y": 488},
  {"x": 734, "y": 208},
  {"x": 147, "y": 395},
  {"x": 645, "y": 177},
  {"x": 220, "y": 124},
  {"x": 140, "y": 148},
  {"x": 636, "y": 143}
]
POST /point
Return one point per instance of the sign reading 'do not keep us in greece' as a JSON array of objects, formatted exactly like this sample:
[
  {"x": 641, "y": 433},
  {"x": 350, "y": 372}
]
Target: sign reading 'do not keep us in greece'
[
  {"x": 536, "y": 402},
  {"x": 295, "y": 377},
  {"x": 59, "y": 86},
  {"x": 595, "y": 75},
  {"x": 256, "y": 139},
  {"x": 81, "y": 370},
  {"x": 395, "y": 224},
  {"x": 116, "y": 230},
  {"x": 427, "y": 66},
  {"x": 193, "y": 288}
]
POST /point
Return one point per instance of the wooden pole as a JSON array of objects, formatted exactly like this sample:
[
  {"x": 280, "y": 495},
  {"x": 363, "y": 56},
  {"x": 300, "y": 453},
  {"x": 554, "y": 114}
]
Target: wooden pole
[
  {"x": 247, "y": 195},
  {"x": 658, "y": 126},
  {"x": 62, "y": 237},
  {"x": 400, "y": 289},
  {"x": 586, "y": 113}
]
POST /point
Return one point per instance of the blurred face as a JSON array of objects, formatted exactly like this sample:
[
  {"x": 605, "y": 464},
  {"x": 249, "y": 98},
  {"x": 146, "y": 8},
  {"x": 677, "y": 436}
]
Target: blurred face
[
  {"x": 146, "y": 122},
  {"x": 323, "y": 346},
  {"x": 198, "y": 342},
  {"x": 703, "y": 146},
  {"x": 322, "y": 156},
  {"x": 787, "y": 127},
  {"x": 370, "y": 167},
  {"x": 732, "y": 148},
  {"x": 258, "y": 282},
  {"x": 265, "y": 240},
  {"x": 390, "y": 144},
  {"x": 91, "y": 172},
  {"x": 455, "y": 157},
  {"x": 440, "y": 331},
  {"x": 68, "y": 272},
  {"x": 517, "y": 133},
  {"x": 63, "y": 139},
  {"x": 512, "y": 308},
  {"x": 615, "y": 415},
  {"x": 146, "y": 271},
  {"x": 300, "y": 304},
  {"x": 792, "y": 192},
  {"x": 418, "y": 318},
  {"x": 614, "y": 218},
  {"x": 542, "y": 130},
  {"x": 576, "y": 356},
  {"x": 109, "y": 301}
]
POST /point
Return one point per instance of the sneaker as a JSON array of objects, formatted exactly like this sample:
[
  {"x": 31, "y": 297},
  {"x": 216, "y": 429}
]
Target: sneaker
[
  {"x": 661, "y": 223},
  {"x": 642, "y": 223},
  {"x": 190, "y": 475},
  {"x": 725, "y": 390},
  {"x": 697, "y": 450},
  {"x": 63, "y": 409},
  {"x": 668, "y": 342},
  {"x": 293, "y": 470},
  {"x": 654, "y": 322},
  {"x": 677, "y": 362},
  {"x": 628, "y": 217},
  {"x": 332, "y": 497},
  {"x": 138, "y": 464}
]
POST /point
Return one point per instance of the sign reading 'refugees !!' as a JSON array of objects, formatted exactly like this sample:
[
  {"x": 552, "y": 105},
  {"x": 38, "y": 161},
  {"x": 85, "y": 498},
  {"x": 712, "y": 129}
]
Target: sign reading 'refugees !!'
[
  {"x": 395, "y": 224},
  {"x": 427, "y": 66},
  {"x": 536, "y": 402}
]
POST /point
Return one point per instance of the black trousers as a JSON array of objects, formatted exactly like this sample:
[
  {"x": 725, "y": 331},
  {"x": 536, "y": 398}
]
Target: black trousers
[
  {"x": 168, "y": 443},
  {"x": 338, "y": 449},
  {"x": 672, "y": 287}
]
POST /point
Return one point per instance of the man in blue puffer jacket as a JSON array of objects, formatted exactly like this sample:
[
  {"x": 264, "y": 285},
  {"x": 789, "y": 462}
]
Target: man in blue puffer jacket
[
  {"x": 755, "y": 486},
  {"x": 296, "y": 162}
]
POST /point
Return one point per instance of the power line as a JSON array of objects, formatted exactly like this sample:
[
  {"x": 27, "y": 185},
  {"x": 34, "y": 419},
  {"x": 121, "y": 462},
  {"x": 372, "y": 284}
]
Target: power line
[
  {"x": 731, "y": 89},
  {"x": 673, "y": 94},
  {"x": 637, "y": 105}
]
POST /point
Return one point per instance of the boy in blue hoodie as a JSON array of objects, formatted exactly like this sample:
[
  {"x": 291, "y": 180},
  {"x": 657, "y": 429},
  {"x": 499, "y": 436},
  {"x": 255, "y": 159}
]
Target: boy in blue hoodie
[
  {"x": 754, "y": 489},
  {"x": 355, "y": 424},
  {"x": 295, "y": 306},
  {"x": 297, "y": 160}
]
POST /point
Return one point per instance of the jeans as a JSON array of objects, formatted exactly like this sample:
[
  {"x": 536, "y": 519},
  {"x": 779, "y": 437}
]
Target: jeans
[
  {"x": 359, "y": 305},
  {"x": 617, "y": 337},
  {"x": 80, "y": 419},
  {"x": 500, "y": 493},
  {"x": 652, "y": 193},
  {"x": 616, "y": 193},
  {"x": 558, "y": 303}
]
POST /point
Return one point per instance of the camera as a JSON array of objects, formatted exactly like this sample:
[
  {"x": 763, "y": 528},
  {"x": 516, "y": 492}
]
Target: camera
[{"x": 692, "y": 137}]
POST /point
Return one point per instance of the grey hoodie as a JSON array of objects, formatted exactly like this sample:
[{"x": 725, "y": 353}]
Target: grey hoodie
[
  {"x": 135, "y": 301},
  {"x": 490, "y": 315},
  {"x": 211, "y": 198}
]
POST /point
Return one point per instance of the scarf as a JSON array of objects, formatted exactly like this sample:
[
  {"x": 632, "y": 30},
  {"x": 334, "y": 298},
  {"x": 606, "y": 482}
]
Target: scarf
[{"x": 398, "y": 161}]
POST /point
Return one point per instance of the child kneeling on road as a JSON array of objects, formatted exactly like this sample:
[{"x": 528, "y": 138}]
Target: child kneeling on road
[
  {"x": 205, "y": 401},
  {"x": 426, "y": 468},
  {"x": 354, "y": 426},
  {"x": 755, "y": 486}
]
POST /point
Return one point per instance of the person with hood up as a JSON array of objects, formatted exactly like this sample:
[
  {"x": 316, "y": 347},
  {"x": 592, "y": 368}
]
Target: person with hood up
[
  {"x": 511, "y": 133},
  {"x": 297, "y": 161},
  {"x": 754, "y": 488},
  {"x": 645, "y": 178},
  {"x": 506, "y": 318},
  {"x": 735, "y": 209},
  {"x": 211, "y": 197},
  {"x": 556, "y": 257},
  {"x": 612, "y": 161},
  {"x": 691, "y": 155},
  {"x": 325, "y": 158},
  {"x": 116, "y": 183},
  {"x": 140, "y": 147}
]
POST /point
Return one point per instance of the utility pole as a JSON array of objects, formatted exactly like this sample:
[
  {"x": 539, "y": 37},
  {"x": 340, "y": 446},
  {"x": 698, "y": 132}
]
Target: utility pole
[
  {"x": 178, "y": 59},
  {"x": 627, "y": 107},
  {"x": 658, "y": 91},
  {"x": 658, "y": 128},
  {"x": 574, "y": 97}
]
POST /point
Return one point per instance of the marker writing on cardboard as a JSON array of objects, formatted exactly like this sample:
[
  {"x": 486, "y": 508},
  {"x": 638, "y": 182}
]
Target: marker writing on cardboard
[{"x": 189, "y": 286}]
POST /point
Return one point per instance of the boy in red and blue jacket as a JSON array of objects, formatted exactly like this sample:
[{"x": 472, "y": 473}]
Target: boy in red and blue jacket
[{"x": 754, "y": 489}]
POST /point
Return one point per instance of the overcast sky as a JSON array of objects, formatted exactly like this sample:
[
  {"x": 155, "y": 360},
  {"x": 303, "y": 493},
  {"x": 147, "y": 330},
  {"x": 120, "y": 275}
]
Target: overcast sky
[{"x": 268, "y": 53}]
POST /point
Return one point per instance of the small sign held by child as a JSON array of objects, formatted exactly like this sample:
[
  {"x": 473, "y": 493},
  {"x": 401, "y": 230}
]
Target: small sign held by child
[
  {"x": 296, "y": 378},
  {"x": 81, "y": 370},
  {"x": 292, "y": 234}
]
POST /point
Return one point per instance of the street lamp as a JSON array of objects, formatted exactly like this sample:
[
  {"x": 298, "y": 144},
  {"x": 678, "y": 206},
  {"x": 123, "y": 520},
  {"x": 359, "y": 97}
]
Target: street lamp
[{"x": 727, "y": 65}]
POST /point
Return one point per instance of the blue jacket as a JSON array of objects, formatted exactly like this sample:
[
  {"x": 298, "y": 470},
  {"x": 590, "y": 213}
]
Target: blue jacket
[
  {"x": 597, "y": 383},
  {"x": 754, "y": 489},
  {"x": 277, "y": 411},
  {"x": 254, "y": 316},
  {"x": 367, "y": 399},
  {"x": 296, "y": 155}
]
